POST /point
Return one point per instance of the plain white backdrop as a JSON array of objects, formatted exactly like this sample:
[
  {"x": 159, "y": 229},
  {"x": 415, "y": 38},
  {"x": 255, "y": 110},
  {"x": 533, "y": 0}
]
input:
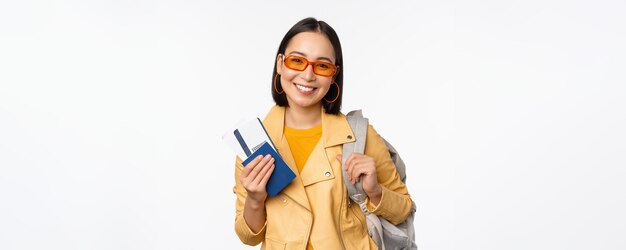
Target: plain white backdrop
[{"x": 509, "y": 114}]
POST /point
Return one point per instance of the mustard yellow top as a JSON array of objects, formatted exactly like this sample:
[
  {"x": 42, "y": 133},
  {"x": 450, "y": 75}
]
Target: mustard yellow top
[{"x": 302, "y": 142}]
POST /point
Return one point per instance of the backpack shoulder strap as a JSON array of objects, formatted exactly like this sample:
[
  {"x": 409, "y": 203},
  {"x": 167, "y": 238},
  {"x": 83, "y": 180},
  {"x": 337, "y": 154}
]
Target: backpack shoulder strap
[{"x": 359, "y": 125}]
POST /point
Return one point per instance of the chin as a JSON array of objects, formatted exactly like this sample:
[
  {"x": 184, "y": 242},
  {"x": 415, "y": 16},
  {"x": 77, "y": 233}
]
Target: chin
[{"x": 305, "y": 103}]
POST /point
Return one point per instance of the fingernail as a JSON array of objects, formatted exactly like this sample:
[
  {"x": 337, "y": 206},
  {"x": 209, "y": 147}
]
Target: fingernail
[{"x": 268, "y": 156}]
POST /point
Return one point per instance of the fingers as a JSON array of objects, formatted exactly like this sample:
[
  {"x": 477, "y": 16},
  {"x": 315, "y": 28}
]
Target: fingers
[
  {"x": 255, "y": 176},
  {"x": 254, "y": 165},
  {"x": 357, "y": 171},
  {"x": 353, "y": 158},
  {"x": 354, "y": 172},
  {"x": 350, "y": 166},
  {"x": 267, "y": 176},
  {"x": 358, "y": 165},
  {"x": 250, "y": 166},
  {"x": 347, "y": 166},
  {"x": 263, "y": 169},
  {"x": 252, "y": 171}
]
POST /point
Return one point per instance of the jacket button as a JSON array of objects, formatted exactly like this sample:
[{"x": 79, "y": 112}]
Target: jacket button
[
  {"x": 327, "y": 174},
  {"x": 349, "y": 137}
]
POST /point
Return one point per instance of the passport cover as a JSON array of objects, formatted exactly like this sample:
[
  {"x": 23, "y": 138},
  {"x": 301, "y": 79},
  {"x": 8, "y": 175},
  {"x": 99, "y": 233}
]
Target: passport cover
[{"x": 282, "y": 174}]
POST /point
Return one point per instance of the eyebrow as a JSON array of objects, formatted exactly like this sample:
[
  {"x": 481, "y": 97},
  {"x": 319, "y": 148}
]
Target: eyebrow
[{"x": 319, "y": 58}]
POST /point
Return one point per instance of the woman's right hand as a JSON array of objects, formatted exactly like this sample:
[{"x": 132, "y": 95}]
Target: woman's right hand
[{"x": 255, "y": 175}]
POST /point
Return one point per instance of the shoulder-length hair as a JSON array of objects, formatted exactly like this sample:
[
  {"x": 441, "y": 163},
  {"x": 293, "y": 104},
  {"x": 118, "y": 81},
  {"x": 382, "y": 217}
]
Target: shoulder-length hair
[{"x": 313, "y": 25}]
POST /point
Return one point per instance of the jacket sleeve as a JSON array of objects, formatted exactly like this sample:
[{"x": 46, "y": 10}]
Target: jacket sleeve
[
  {"x": 395, "y": 203},
  {"x": 242, "y": 229}
]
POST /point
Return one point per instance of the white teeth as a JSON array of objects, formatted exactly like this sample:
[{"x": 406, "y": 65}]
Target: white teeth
[{"x": 306, "y": 89}]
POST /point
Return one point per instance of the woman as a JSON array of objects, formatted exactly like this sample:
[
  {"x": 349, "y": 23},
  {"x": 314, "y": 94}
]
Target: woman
[{"x": 308, "y": 130}]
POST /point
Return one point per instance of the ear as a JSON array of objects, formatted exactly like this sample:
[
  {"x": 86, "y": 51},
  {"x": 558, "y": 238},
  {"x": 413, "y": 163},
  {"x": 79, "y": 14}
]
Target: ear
[{"x": 279, "y": 63}]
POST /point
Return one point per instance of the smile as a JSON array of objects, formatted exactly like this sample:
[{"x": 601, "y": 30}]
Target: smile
[{"x": 305, "y": 89}]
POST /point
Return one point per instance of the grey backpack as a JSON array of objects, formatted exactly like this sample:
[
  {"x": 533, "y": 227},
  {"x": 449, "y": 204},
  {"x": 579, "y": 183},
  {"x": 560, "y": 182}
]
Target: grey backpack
[{"x": 386, "y": 235}]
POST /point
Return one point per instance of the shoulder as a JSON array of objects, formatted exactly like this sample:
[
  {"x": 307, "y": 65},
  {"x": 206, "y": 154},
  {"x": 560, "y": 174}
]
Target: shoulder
[
  {"x": 374, "y": 142},
  {"x": 372, "y": 134},
  {"x": 275, "y": 112}
]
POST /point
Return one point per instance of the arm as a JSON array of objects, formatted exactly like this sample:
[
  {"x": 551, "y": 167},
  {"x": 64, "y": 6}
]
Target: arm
[
  {"x": 394, "y": 203},
  {"x": 387, "y": 195},
  {"x": 251, "y": 194}
]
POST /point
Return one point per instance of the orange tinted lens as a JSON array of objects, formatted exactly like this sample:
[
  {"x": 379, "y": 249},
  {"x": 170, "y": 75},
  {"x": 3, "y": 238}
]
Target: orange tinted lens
[
  {"x": 296, "y": 62},
  {"x": 324, "y": 69}
]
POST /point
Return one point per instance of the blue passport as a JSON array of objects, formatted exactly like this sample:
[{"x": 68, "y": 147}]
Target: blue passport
[{"x": 282, "y": 175}]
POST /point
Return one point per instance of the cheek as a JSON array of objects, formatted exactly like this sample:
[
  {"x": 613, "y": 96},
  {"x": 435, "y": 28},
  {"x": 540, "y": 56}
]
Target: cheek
[
  {"x": 326, "y": 83},
  {"x": 287, "y": 77}
]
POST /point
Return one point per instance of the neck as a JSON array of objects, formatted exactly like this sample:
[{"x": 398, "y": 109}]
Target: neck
[{"x": 303, "y": 117}]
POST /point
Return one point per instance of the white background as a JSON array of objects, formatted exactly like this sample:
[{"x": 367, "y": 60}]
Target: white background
[{"x": 509, "y": 114}]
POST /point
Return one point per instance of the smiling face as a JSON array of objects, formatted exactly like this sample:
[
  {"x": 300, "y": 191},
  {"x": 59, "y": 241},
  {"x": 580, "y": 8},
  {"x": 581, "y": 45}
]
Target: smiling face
[{"x": 304, "y": 89}]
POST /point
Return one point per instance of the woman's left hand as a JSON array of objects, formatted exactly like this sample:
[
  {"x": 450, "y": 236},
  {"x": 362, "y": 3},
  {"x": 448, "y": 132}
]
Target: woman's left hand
[{"x": 363, "y": 167}]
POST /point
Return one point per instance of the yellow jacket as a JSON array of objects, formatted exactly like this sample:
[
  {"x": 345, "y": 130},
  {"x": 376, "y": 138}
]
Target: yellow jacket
[{"x": 315, "y": 203}]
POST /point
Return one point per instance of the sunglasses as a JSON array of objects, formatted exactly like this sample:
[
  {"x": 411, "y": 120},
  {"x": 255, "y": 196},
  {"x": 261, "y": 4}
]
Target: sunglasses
[{"x": 320, "y": 68}]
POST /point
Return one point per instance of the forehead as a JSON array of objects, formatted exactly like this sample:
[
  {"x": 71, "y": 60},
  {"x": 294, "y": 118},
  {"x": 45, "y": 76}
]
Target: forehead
[{"x": 313, "y": 44}]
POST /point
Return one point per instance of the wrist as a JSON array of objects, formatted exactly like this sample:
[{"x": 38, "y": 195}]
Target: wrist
[
  {"x": 377, "y": 193},
  {"x": 254, "y": 203}
]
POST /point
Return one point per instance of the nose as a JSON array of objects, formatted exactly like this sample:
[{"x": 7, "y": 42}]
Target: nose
[{"x": 308, "y": 74}]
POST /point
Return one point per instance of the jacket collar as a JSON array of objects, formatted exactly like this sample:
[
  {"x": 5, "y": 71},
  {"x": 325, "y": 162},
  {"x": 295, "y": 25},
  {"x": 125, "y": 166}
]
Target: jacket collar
[{"x": 335, "y": 128}]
